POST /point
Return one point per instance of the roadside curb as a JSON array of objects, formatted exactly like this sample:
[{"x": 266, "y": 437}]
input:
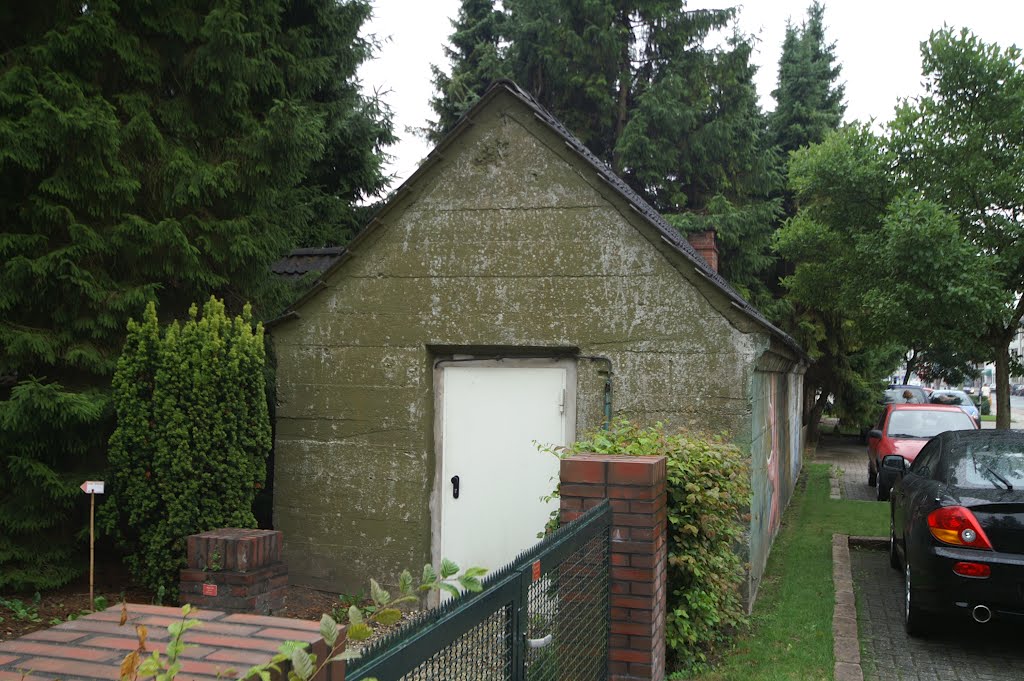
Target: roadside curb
[
  {"x": 834, "y": 477},
  {"x": 845, "y": 639},
  {"x": 845, "y": 643}
]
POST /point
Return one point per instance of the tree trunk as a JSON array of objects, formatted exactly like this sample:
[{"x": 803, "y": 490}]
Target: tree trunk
[
  {"x": 814, "y": 417},
  {"x": 622, "y": 106},
  {"x": 910, "y": 367},
  {"x": 1001, "y": 393}
]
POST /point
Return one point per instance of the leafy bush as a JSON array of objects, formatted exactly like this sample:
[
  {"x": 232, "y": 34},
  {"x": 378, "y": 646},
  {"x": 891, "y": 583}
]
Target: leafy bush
[
  {"x": 708, "y": 517},
  {"x": 985, "y": 406},
  {"x": 193, "y": 435}
]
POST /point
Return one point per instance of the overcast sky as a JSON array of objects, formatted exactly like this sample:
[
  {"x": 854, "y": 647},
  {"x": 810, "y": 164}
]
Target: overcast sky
[{"x": 877, "y": 43}]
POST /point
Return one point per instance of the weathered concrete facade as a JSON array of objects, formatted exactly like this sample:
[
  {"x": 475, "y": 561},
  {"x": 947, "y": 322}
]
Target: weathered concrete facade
[{"x": 506, "y": 244}]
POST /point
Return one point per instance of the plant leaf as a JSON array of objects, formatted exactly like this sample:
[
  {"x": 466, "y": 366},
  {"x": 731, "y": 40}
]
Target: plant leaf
[
  {"x": 379, "y": 595},
  {"x": 355, "y": 615},
  {"x": 429, "y": 576},
  {"x": 448, "y": 568},
  {"x": 124, "y": 614},
  {"x": 449, "y": 588},
  {"x": 348, "y": 654},
  {"x": 329, "y": 629},
  {"x": 359, "y": 632},
  {"x": 475, "y": 572},
  {"x": 129, "y": 665},
  {"x": 405, "y": 583},
  {"x": 470, "y": 583},
  {"x": 302, "y": 663},
  {"x": 389, "y": 616}
]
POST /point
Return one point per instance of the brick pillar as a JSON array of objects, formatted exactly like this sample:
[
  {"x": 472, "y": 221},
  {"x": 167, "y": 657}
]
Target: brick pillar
[
  {"x": 639, "y": 553},
  {"x": 235, "y": 570},
  {"x": 706, "y": 245}
]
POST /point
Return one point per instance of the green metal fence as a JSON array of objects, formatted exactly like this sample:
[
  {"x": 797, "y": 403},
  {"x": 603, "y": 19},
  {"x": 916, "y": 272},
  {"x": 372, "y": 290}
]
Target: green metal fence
[{"x": 542, "y": 617}]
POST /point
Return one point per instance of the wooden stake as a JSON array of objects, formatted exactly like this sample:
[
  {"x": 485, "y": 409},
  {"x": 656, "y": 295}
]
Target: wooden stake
[{"x": 92, "y": 548}]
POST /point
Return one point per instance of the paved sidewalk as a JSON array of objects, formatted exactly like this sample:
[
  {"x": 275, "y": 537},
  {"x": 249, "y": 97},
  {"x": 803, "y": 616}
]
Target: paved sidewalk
[{"x": 849, "y": 457}]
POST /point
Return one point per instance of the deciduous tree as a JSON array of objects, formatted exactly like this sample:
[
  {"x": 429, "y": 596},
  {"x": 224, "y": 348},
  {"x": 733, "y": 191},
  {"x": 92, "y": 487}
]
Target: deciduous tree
[
  {"x": 884, "y": 266},
  {"x": 961, "y": 144}
]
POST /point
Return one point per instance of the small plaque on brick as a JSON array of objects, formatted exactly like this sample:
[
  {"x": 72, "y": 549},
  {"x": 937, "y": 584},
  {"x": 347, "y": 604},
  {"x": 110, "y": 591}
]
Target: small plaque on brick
[{"x": 209, "y": 589}]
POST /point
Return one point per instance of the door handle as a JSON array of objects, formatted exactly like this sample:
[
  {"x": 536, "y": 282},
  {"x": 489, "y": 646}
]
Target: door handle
[{"x": 455, "y": 487}]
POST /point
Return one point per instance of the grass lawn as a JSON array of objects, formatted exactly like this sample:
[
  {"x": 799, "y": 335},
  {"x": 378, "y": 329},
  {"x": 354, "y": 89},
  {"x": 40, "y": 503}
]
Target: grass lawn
[{"x": 791, "y": 630}]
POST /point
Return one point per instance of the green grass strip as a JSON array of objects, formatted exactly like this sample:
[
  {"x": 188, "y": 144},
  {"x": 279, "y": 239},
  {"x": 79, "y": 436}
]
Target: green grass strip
[{"x": 790, "y": 638}]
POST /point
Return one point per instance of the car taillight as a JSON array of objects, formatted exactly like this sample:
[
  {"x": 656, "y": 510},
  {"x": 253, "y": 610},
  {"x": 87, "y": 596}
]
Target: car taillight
[
  {"x": 957, "y": 526},
  {"x": 977, "y": 570}
]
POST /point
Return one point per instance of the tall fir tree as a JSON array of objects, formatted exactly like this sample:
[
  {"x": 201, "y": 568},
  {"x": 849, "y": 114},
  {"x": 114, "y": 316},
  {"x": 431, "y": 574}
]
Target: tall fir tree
[
  {"x": 476, "y": 60},
  {"x": 808, "y": 105},
  {"x": 808, "y": 99},
  {"x": 151, "y": 151},
  {"x": 677, "y": 120}
]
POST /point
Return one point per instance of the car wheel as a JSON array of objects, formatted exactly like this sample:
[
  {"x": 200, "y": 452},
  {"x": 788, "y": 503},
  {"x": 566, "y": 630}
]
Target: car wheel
[
  {"x": 872, "y": 476},
  {"x": 894, "y": 559},
  {"x": 913, "y": 618},
  {"x": 883, "y": 488}
]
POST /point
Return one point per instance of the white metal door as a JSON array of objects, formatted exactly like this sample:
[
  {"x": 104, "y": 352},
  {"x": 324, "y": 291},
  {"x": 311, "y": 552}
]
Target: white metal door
[{"x": 492, "y": 419}]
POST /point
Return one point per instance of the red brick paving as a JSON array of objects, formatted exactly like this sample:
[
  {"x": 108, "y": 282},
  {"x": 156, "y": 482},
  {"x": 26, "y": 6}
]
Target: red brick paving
[{"x": 93, "y": 647}]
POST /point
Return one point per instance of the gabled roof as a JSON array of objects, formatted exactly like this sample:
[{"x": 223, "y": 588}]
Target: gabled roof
[{"x": 669, "y": 234}]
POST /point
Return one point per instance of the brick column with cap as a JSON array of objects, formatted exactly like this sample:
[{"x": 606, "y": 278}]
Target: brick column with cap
[
  {"x": 639, "y": 553},
  {"x": 235, "y": 570}
]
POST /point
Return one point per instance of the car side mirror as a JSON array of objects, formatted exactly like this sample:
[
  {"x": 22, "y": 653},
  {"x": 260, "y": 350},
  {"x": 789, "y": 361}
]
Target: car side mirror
[
  {"x": 877, "y": 434},
  {"x": 894, "y": 463}
]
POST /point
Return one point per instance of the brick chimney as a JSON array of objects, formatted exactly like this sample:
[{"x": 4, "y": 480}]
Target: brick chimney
[{"x": 705, "y": 244}]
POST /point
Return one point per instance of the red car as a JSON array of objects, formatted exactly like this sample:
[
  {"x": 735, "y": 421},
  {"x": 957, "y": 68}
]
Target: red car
[{"x": 904, "y": 429}]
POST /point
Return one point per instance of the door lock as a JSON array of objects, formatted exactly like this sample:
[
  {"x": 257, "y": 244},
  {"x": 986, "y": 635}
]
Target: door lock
[{"x": 455, "y": 487}]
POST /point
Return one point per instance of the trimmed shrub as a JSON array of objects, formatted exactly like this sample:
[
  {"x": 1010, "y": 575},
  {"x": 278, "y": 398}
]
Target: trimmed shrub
[
  {"x": 708, "y": 518},
  {"x": 193, "y": 435}
]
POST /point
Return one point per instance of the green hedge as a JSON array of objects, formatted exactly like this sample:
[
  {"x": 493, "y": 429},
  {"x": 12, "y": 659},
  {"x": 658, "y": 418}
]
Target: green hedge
[
  {"x": 193, "y": 435},
  {"x": 708, "y": 518}
]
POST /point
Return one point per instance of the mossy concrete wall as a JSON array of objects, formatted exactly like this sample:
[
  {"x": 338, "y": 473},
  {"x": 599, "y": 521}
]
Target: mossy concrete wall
[{"x": 506, "y": 245}]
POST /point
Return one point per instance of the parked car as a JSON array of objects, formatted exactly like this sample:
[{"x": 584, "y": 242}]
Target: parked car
[
  {"x": 899, "y": 394},
  {"x": 904, "y": 429},
  {"x": 957, "y": 527},
  {"x": 958, "y": 398}
]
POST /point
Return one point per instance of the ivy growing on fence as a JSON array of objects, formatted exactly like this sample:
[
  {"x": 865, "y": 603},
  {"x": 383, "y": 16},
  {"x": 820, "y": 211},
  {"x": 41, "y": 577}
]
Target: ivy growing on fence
[{"x": 193, "y": 435}]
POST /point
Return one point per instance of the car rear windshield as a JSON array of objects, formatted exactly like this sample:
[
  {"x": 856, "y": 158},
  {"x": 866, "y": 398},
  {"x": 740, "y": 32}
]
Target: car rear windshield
[
  {"x": 926, "y": 422},
  {"x": 991, "y": 466},
  {"x": 905, "y": 396},
  {"x": 957, "y": 399}
]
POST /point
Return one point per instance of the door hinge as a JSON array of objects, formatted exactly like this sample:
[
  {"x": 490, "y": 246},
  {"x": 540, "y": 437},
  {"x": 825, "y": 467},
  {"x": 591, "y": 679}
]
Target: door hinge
[{"x": 561, "y": 401}]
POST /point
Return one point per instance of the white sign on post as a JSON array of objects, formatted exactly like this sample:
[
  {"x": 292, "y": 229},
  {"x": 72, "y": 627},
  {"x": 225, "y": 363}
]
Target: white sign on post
[{"x": 92, "y": 487}]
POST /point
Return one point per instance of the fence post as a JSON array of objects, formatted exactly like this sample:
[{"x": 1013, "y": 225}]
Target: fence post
[{"x": 639, "y": 553}]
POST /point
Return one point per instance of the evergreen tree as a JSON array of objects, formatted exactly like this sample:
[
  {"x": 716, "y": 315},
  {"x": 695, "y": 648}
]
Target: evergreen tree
[
  {"x": 193, "y": 435},
  {"x": 149, "y": 151},
  {"x": 678, "y": 121},
  {"x": 476, "y": 60},
  {"x": 809, "y": 101}
]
